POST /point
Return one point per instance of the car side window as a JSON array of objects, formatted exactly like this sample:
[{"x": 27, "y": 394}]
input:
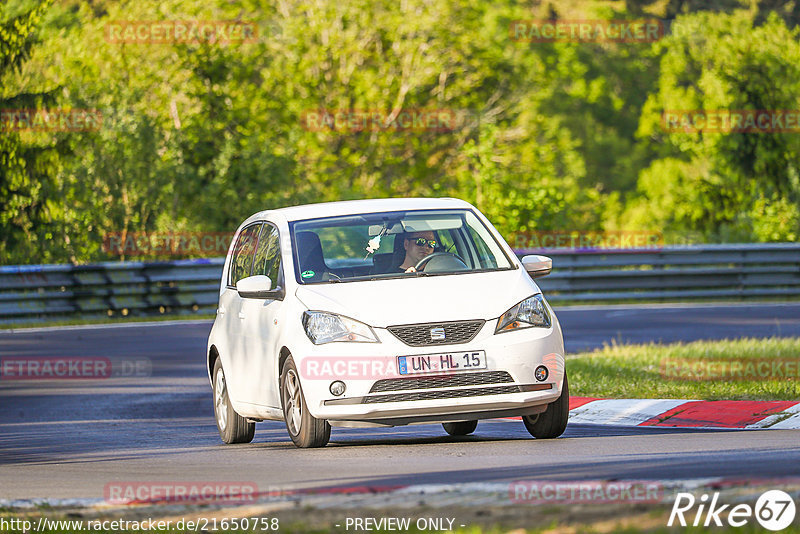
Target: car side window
[
  {"x": 268, "y": 255},
  {"x": 446, "y": 243},
  {"x": 242, "y": 259},
  {"x": 486, "y": 257}
]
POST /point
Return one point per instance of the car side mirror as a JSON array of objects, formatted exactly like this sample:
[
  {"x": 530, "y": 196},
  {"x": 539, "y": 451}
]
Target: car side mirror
[
  {"x": 258, "y": 287},
  {"x": 537, "y": 266}
]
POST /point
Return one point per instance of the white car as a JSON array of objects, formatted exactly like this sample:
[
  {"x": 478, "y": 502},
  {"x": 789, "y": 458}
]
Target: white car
[{"x": 382, "y": 313}]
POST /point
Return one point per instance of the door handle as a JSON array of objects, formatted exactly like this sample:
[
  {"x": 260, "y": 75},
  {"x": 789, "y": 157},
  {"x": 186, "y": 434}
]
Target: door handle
[
  {"x": 241, "y": 315},
  {"x": 221, "y": 310}
]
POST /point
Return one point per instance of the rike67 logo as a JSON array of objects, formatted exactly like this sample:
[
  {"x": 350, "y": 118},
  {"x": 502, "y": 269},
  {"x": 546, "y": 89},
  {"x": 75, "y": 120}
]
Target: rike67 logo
[{"x": 774, "y": 510}]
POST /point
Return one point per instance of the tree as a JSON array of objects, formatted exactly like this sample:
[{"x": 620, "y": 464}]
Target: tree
[
  {"x": 25, "y": 168},
  {"x": 726, "y": 184}
]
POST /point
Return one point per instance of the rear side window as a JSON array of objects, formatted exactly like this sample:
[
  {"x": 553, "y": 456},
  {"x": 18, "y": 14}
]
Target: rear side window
[
  {"x": 243, "y": 252},
  {"x": 268, "y": 255},
  {"x": 485, "y": 257}
]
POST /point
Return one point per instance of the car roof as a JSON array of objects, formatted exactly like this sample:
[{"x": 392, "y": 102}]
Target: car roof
[{"x": 352, "y": 207}]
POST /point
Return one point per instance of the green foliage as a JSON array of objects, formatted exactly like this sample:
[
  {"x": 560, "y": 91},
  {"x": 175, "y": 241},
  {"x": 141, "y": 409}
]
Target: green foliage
[
  {"x": 548, "y": 136},
  {"x": 29, "y": 214},
  {"x": 775, "y": 219},
  {"x": 657, "y": 371},
  {"x": 728, "y": 185}
]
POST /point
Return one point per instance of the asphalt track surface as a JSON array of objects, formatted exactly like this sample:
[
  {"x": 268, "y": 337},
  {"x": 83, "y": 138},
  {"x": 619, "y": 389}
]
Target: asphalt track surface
[{"x": 69, "y": 439}]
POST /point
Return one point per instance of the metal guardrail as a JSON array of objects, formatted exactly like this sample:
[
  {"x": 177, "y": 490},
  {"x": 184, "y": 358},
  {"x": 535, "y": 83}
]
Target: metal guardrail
[
  {"x": 31, "y": 293},
  {"x": 39, "y": 292},
  {"x": 742, "y": 271}
]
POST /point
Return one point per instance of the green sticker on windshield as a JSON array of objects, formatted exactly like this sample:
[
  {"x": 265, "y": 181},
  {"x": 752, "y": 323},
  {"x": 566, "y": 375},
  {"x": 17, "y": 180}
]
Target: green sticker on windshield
[{"x": 307, "y": 274}]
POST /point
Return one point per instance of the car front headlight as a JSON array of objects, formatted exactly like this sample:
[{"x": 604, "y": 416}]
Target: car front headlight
[
  {"x": 530, "y": 312},
  {"x": 324, "y": 327}
]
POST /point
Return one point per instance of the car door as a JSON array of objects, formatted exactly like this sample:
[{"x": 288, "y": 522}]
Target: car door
[
  {"x": 260, "y": 323},
  {"x": 230, "y": 305}
]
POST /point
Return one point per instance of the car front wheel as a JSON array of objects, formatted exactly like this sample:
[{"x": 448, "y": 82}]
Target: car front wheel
[
  {"x": 305, "y": 430},
  {"x": 233, "y": 428},
  {"x": 552, "y": 422}
]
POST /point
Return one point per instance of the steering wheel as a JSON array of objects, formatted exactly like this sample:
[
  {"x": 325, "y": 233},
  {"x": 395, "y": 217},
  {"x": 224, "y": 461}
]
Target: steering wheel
[{"x": 420, "y": 266}]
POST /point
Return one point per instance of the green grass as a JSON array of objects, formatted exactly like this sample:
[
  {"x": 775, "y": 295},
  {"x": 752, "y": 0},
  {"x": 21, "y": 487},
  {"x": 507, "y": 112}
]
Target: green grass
[{"x": 637, "y": 371}]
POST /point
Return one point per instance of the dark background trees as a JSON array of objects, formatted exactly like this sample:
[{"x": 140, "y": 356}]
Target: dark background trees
[{"x": 564, "y": 136}]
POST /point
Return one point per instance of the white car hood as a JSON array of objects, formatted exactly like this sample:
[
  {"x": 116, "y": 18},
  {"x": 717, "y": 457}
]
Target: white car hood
[{"x": 381, "y": 303}]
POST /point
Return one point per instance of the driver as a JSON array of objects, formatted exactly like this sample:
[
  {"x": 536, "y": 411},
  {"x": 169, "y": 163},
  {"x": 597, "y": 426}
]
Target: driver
[{"x": 417, "y": 245}]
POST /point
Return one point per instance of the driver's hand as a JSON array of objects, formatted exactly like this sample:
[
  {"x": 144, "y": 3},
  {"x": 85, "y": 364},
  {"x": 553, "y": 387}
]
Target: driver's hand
[{"x": 411, "y": 269}]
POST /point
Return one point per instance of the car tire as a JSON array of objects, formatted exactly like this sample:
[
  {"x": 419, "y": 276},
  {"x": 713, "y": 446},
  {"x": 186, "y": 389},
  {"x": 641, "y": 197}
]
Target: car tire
[
  {"x": 233, "y": 428},
  {"x": 460, "y": 428},
  {"x": 305, "y": 430},
  {"x": 552, "y": 422}
]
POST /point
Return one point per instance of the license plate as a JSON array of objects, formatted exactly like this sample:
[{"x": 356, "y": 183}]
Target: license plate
[{"x": 441, "y": 363}]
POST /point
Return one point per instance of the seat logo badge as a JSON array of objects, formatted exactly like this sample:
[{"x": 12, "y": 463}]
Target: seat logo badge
[{"x": 437, "y": 334}]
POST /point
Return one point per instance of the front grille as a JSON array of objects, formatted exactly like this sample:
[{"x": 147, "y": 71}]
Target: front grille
[
  {"x": 449, "y": 381},
  {"x": 440, "y": 394},
  {"x": 419, "y": 335}
]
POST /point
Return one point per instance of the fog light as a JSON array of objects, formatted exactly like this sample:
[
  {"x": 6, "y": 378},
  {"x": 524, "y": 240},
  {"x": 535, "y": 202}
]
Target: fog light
[
  {"x": 337, "y": 388},
  {"x": 541, "y": 373}
]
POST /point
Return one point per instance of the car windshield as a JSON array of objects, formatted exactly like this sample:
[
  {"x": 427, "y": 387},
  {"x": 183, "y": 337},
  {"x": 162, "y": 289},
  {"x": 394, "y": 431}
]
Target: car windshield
[{"x": 394, "y": 244}]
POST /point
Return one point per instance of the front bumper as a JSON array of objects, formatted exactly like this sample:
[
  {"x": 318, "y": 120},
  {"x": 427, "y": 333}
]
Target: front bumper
[{"x": 454, "y": 395}]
